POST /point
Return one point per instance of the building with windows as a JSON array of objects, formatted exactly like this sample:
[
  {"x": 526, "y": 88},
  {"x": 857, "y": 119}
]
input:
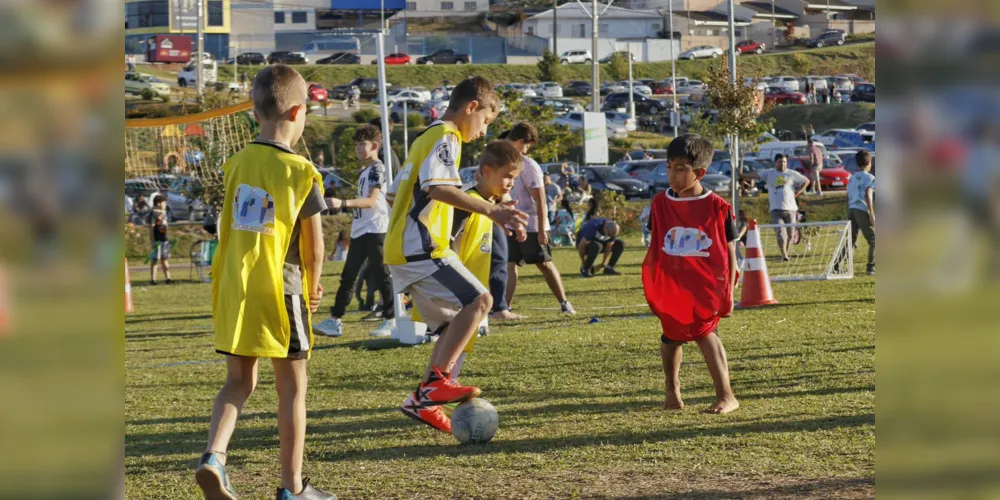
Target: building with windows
[
  {"x": 144, "y": 18},
  {"x": 573, "y": 21},
  {"x": 427, "y": 8}
]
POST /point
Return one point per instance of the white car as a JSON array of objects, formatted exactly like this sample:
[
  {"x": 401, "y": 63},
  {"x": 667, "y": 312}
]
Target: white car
[
  {"x": 442, "y": 93},
  {"x": 817, "y": 82},
  {"x": 404, "y": 95},
  {"x": 637, "y": 87},
  {"x": 623, "y": 119},
  {"x": 524, "y": 90},
  {"x": 829, "y": 137},
  {"x": 548, "y": 89},
  {"x": 761, "y": 84},
  {"x": 576, "y": 57},
  {"x": 575, "y": 122},
  {"x": 692, "y": 87},
  {"x": 842, "y": 83},
  {"x": 612, "y": 88},
  {"x": 786, "y": 82},
  {"x": 702, "y": 52},
  {"x": 866, "y": 127},
  {"x": 424, "y": 93}
]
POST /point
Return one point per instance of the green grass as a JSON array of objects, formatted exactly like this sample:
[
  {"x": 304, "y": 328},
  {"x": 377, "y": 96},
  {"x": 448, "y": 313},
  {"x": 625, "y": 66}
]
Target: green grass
[
  {"x": 580, "y": 405},
  {"x": 858, "y": 59},
  {"x": 822, "y": 116}
]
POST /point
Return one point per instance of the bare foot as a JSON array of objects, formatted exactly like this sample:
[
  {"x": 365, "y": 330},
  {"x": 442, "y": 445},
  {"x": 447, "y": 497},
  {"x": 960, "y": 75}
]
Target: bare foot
[
  {"x": 506, "y": 316},
  {"x": 674, "y": 401},
  {"x": 724, "y": 405}
]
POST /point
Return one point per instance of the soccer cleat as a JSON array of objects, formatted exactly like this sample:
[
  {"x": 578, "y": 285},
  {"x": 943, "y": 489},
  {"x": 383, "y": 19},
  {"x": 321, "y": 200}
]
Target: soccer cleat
[
  {"x": 586, "y": 272},
  {"x": 329, "y": 327},
  {"x": 307, "y": 493},
  {"x": 384, "y": 330},
  {"x": 430, "y": 415},
  {"x": 212, "y": 479},
  {"x": 374, "y": 315},
  {"x": 440, "y": 389},
  {"x": 567, "y": 308},
  {"x": 610, "y": 271}
]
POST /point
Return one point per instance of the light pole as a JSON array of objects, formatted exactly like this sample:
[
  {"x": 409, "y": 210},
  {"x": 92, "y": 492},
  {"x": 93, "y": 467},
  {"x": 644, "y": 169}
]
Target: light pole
[
  {"x": 555, "y": 27},
  {"x": 734, "y": 140},
  {"x": 199, "y": 64},
  {"x": 774, "y": 28},
  {"x": 675, "y": 116},
  {"x": 595, "y": 91}
]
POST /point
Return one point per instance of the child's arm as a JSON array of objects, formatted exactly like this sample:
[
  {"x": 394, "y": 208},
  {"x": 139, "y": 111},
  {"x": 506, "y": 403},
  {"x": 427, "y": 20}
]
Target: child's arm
[
  {"x": 312, "y": 257},
  {"x": 368, "y": 202},
  {"x": 502, "y": 213},
  {"x": 870, "y": 202},
  {"x": 731, "y": 301}
]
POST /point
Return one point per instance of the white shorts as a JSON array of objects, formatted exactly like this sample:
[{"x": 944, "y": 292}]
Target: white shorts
[{"x": 445, "y": 288}]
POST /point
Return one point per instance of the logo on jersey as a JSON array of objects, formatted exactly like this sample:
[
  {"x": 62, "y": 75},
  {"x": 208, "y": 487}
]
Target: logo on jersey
[
  {"x": 445, "y": 154},
  {"x": 253, "y": 210},
  {"x": 486, "y": 246},
  {"x": 686, "y": 242}
]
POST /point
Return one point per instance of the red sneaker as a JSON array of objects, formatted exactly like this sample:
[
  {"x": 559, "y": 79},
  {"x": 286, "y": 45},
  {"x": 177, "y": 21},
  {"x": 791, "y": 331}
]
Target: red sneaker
[
  {"x": 430, "y": 415},
  {"x": 440, "y": 389}
]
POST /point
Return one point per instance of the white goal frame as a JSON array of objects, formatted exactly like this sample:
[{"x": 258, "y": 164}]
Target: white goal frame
[{"x": 840, "y": 264}]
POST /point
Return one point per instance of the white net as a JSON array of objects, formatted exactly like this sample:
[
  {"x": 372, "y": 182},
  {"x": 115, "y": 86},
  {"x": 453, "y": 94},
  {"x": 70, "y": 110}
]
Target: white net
[{"x": 819, "y": 251}]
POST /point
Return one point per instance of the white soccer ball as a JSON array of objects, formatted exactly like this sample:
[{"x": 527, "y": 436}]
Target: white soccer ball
[{"x": 474, "y": 422}]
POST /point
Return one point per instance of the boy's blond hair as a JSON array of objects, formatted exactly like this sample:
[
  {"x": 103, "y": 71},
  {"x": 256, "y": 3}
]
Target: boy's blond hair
[
  {"x": 477, "y": 89},
  {"x": 276, "y": 89},
  {"x": 501, "y": 154}
]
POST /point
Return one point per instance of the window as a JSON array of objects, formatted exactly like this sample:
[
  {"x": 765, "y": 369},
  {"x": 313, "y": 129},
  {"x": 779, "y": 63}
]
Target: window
[
  {"x": 709, "y": 32},
  {"x": 531, "y": 30},
  {"x": 583, "y": 31},
  {"x": 447, "y": 5},
  {"x": 655, "y": 26},
  {"x": 215, "y": 17},
  {"x": 279, "y": 18},
  {"x": 739, "y": 32},
  {"x": 603, "y": 29},
  {"x": 470, "y": 6},
  {"x": 148, "y": 14},
  {"x": 300, "y": 17},
  {"x": 411, "y": 6}
]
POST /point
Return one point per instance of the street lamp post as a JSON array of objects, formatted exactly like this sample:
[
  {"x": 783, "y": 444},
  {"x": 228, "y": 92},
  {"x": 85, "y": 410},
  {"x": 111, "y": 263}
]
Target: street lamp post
[
  {"x": 675, "y": 115},
  {"x": 734, "y": 140}
]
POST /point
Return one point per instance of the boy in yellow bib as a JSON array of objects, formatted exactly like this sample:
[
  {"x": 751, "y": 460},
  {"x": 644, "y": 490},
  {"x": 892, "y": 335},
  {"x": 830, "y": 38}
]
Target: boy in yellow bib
[
  {"x": 265, "y": 281},
  {"x": 418, "y": 245},
  {"x": 499, "y": 166}
]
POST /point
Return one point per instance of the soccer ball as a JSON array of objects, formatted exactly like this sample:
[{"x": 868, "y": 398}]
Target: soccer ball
[{"x": 474, "y": 422}]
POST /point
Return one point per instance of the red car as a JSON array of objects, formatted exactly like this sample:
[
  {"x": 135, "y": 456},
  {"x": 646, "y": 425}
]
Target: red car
[
  {"x": 778, "y": 95},
  {"x": 830, "y": 178},
  {"x": 750, "y": 47},
  {"x": 317, "y": 92},
  {"x": 662, "y": 88},
  {"x": 398, "y": 58}
]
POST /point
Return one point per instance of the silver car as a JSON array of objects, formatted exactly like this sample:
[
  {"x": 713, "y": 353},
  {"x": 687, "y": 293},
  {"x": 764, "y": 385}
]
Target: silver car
[{"x": 702, "y": 52}]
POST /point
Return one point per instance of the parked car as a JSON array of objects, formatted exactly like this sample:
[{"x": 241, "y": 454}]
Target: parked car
[
  {"x": 657, "y": 154},
  {"x": 577, "y": 88},
  {"x": 136, "y": 82},
  {"x": 251, "y": 58},
  {"x": 863, "y": 92},
  {"x": 341, "y": 58},
  {"x": 561, "y": 105},
  {"x": 827, "y": 138},
  {"x": 854, "y": 139},
  {"x": 616, "y": 180},
  {"x": 849, "y": 161},
  {"x": 643, "y": 104},
  {"x": 445, "y": 56},
  {"x": 844, "y": 84},
  {"x": 286, "y": 57},
  {"x": 575, "y": 122},
  {"x": 660, "y": 181},
  {"x": 524, "y": 90},
  {"x": 548, "y": 89},
  {"x": 779, "y": 95},
  {"x": 817, "y": 82},
  {"x": 397, "y": 58},
  {"x": 442, "y": 93},
  {"x": 623, "y": 119},
  {"x": 637, "y": 87},
  {"x": 179, "y": 205},
  {"x": 787, "y": 82},
  {"x": 612, "y": 88},
  {"x": 413, "y": 95},
  {"x": 827, "y": 38},
  {"x": 768, "y": 150},
  {"x": 640, "y": 169},
  {"x": 625, "y": 53},
  {"x": 691, "y": 87},
  {"x": 318, "y": 92},
  {"x": 368, "y": 87},
  {"x": 576, "y": 57},
  {"x": 701, "y": 52},
  {"x": 662, "y": 88},
  {"x": 866, "y": 127},
  {"x": 750, "y": 47},
  {"x": 832, "y": 177}
]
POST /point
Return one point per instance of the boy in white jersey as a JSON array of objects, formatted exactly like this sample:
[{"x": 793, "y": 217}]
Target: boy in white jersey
[{"x": 371, "y": 221}]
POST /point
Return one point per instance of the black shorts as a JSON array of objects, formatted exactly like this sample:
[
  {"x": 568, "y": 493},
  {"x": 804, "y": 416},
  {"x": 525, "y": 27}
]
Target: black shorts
[
  {"x": 528, "y": 252},
  {"x": 298, "y": 322}
]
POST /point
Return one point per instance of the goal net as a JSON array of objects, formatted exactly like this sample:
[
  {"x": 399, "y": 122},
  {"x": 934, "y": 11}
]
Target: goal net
[{"x": 819, "y": 251}]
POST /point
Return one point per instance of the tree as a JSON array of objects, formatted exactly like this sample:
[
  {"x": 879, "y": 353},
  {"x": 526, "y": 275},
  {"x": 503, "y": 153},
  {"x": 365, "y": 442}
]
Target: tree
[
  {"x": 618, "y": 66},
  {"x": 736, "y": 107},
  {"x": 550, "y": 68}
]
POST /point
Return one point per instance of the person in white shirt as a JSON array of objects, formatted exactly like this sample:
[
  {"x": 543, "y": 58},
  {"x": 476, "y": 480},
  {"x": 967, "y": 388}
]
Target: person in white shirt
[
  {"x": 529, "y": 195},
  {"x": 783, "y": 187}
]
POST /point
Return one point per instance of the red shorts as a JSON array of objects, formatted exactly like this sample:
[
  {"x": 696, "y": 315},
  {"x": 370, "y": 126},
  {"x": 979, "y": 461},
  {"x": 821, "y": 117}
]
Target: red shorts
[{"x": 686, "y": 333}]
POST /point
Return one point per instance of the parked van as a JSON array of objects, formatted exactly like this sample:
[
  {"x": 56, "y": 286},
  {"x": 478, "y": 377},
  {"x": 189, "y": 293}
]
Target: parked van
[{"x": 790, "y": 149}]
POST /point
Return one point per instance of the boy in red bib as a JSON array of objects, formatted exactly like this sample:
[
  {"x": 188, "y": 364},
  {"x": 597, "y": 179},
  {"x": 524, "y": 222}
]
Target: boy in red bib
[{"x": 690, "y": 269}]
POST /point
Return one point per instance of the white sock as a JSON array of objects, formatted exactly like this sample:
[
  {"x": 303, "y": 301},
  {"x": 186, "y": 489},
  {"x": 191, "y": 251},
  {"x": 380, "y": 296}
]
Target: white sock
[{"x": 457, "y": 368}]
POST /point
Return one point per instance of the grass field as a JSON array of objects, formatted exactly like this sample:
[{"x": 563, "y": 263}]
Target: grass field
[{"x": 580, "y": 404}]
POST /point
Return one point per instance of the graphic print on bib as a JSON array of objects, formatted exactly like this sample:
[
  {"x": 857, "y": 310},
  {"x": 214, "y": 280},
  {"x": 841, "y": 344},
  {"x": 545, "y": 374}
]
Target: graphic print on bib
[
  {"x": 486, "y": 245},
  {"x": 686, "y": 242},
  {"x": 253, "y": 210}
]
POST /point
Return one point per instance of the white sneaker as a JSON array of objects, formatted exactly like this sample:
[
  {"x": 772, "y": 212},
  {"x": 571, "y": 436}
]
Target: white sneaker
[
  {"x": 329, "y": 327},
  {"x": 567, "y": 308},
  {"x": 384, "y": 330}
]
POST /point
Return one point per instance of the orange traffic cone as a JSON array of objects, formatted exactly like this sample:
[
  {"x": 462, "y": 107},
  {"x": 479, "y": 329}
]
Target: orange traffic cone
[
  {"x": 129, "y": 307},
  {"x": 756, "y": 283}
]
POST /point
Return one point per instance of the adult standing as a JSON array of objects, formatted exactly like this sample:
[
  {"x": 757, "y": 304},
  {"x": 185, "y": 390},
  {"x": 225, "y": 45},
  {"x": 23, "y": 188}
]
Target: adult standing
[
  {"x": 783, "y": 187},
  {"x": 815, "y": 161}
]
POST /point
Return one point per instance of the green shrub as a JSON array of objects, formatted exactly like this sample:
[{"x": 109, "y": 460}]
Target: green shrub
[
  {"x": 549, "y": 68},
  {"x": 147, "y": 94},
  {"x": 365, "y": 115},
  {"x": 415, "y": 120}
]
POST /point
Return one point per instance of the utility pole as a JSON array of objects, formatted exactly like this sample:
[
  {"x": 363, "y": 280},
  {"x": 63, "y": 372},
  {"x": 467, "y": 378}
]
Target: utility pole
[
  {"x": 734, "y": 140},
  {"x": 774, "y": 28},
  {"x": 631, "y": 102},
  {"x": 594, "y": 67},
  {"x": 555, "y": 27},
  {"x": 200, "y": 73},
  {"x": 675, "y": 116}
]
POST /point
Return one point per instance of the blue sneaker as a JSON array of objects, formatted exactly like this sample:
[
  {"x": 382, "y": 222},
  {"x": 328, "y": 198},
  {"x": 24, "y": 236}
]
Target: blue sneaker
[
  {"x": 308, "y": 493},
  {"x": 212, "y": 479}
]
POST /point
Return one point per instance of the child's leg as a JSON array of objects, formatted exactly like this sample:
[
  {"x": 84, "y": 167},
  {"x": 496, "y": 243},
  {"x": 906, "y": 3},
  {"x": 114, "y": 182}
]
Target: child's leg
[
  {"x": 165, "y": 265},
  {"x": 671, "y": 353},
  {"x": 152, "y": 271},
  {"x": 352, "y": 267},
  {"x": 458, "y": 333},
  {"x": 511, "y": 283},
  {"x": 553, "y": 279},
  {"x": 241, "y": 379},
  {"x": 718, "y": 367},
  {"x": 290, "y": 380}
]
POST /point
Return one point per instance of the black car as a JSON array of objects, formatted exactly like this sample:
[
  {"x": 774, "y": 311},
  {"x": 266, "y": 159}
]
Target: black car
[
  {"x": 577, "y": 87},
  {"x": 341, "y": 58},
  {"x": 445, "y": 56},
  {"x": 247, "y": 58},
  {"x": 827, "y": 38},
  {"x": 625, "y": 53},
  {"x": 285, "y": 57},
  {"x": 863, "y": 92},
  {"x": 643, "y": 104},
  {"x": 616, "y": 180},
  {"x": 641, "y": 170},
  {"x": 367, "y": 86}
]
